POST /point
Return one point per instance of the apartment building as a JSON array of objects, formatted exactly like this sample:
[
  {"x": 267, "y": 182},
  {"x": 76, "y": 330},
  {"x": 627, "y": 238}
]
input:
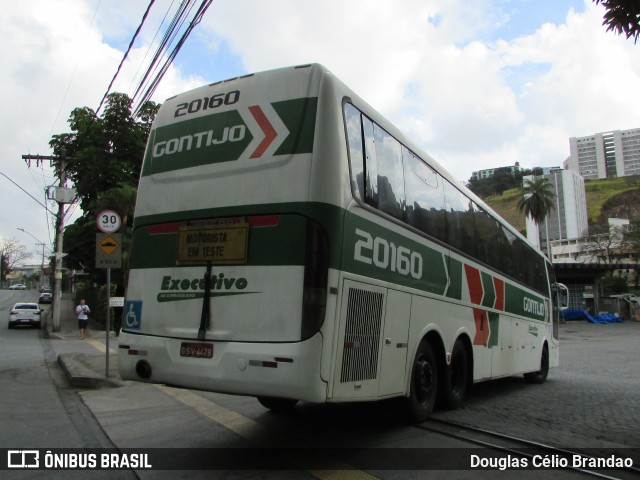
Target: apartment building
[{"x": 605, "y": 155}]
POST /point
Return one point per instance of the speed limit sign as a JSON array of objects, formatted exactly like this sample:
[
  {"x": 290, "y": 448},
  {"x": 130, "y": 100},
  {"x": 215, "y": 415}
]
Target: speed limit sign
[{"x": 108, "y": 221}]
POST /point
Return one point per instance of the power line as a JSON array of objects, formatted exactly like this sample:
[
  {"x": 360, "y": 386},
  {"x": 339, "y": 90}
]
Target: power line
[
  {"x": 135, "y": 35},
  {"x": 150, "y": 45},
  {"x": 167, "y": 39},
  {"x": 34, "y": 198},
  {"x": 156, "y": 81}
]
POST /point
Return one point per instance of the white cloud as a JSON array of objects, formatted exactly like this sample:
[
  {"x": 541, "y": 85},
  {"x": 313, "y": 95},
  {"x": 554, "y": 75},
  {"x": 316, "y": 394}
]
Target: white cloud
[{"x": 412, "y": 61}]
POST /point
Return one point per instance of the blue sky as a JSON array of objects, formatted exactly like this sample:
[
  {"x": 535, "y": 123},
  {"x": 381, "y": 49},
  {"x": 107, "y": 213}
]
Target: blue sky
[
  {"x": 477, "y": 83},
  {"x": 524, "y": 17}
]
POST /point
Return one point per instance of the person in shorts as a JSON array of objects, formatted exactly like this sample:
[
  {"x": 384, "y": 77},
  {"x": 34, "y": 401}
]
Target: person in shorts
[{"x": 82, "y": 312}]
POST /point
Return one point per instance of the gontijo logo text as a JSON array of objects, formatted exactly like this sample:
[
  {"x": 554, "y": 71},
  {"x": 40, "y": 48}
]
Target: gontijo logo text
[
  {"x": 534, "y": 306},
  {"x": 198, "y": 140},
  {"x": 204, "y": 133}
]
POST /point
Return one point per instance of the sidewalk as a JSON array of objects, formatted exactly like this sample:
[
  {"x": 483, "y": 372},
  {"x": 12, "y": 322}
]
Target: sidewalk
[{"x": 83, "y": 361}]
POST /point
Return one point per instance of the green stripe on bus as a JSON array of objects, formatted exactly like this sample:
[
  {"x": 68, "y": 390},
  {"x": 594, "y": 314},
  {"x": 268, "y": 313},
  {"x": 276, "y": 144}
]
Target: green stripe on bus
[
  {"x": 489, "y": 297},
  {"x": 284, "y": 246},
  {"x": 494, "y": 328},
  {"x": 455, "y": 279},
  {"x": 299, "y": 116}
]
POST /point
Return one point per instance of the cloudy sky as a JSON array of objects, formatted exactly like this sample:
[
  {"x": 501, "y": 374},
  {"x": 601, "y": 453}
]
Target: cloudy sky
[{"x": 477, "y": 83}]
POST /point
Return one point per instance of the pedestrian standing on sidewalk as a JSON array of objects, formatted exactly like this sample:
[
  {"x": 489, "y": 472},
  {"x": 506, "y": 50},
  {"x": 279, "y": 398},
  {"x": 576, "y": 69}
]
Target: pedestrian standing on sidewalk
[{"x": 81, "y": 311}]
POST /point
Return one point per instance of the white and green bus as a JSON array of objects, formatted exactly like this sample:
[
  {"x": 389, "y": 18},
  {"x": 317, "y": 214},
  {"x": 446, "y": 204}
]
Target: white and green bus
[{"x": 291, "y": 244}]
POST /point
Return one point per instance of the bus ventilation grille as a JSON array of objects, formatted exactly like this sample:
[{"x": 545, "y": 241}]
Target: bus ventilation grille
[{"x": 362, "y": 336}]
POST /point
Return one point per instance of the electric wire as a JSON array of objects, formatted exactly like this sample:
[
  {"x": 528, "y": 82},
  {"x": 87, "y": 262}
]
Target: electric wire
[
  {"x": 176, "y": 23},
  {"x": 135, "y": 35},
  {"x": 166, "y": 14},
  {"x": 156, "y": 81}
]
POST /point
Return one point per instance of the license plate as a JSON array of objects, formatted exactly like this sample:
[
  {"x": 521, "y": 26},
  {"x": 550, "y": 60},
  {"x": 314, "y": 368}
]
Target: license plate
[
  {"x": 215, "y": 244},
  {"x": 196, "y": 350}
]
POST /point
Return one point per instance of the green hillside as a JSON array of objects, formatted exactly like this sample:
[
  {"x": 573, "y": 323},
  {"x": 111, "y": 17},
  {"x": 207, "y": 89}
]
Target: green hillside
[{"x": 606, "y": 198}]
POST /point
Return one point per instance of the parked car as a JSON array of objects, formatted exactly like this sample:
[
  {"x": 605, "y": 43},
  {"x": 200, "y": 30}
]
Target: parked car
[
  {"x": 18, "y": 286},
  {"x": 25, "y": 314},
  {"x": 46, "y": 296}
]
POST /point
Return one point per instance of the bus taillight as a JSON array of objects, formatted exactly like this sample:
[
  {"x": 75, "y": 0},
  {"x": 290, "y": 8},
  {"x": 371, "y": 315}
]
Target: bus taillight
[{"x": 316, "y": 271}]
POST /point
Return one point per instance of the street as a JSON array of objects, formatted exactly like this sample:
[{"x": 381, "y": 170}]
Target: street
[
  {"x": 590, "y": 401},
  {"x": 37, "y": 410}
]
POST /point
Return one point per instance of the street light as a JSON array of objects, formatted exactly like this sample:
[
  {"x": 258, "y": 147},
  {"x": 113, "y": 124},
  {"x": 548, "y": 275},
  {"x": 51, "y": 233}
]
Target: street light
[{"x": 37, "y": 244}]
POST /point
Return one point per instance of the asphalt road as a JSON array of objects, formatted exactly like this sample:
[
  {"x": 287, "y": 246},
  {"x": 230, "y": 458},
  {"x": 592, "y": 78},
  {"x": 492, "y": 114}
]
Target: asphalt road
[{"x": 37, "y": 409}]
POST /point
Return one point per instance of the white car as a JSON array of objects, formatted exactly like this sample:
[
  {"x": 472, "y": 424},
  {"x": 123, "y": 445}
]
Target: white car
[
  {"x": 25, "y": 314},
  {"x": 18, "y": 286}
]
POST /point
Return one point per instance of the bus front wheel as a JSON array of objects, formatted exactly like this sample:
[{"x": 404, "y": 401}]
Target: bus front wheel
[
  {"x": 424, "y": 383},
  {"x": 541, "y": 375},
  {"x": 277, "y": 404}
]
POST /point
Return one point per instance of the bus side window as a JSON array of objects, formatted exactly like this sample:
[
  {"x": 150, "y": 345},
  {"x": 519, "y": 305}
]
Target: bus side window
[
  {"x": 370, "y": 164},
  {"x": 425, "y": 198},
  {"x": 356, "y": 153},
  {"x": 391, "y": 197},
  {"x": 488, "y": 239},
  {"x": 460, "y": 220}
]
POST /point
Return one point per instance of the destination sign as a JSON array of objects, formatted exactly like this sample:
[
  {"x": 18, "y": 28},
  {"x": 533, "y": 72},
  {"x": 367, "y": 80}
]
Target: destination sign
[{"x": 217, "y": 244}]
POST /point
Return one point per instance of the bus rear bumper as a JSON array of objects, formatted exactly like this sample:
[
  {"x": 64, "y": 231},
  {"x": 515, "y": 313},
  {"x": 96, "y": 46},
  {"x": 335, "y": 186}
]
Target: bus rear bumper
[{"x": 288, "y": 370}]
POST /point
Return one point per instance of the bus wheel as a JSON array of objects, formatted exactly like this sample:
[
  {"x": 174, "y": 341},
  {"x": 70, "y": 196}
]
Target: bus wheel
[
  {"x": 454, "y": 385},
  {"x": 541, "y": 375},
  {"x": 277, "y": 404},
  {"x": 424, "y": 383}
]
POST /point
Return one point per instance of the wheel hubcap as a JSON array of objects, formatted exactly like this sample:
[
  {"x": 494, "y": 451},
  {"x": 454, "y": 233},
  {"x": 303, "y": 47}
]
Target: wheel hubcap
[{"x": 424, "y": 380}]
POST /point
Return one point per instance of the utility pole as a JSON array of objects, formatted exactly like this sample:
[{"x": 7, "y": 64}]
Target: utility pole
[
  {"x": 57, "y": 286},
  {"x": 61, "y": 195}
]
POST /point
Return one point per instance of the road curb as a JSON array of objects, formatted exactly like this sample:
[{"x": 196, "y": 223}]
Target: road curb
[{"x": 80, "y": 375}]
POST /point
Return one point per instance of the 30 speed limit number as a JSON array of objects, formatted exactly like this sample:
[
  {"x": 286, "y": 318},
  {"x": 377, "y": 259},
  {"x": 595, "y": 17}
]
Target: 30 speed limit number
[{"x": 108, "y": 221}]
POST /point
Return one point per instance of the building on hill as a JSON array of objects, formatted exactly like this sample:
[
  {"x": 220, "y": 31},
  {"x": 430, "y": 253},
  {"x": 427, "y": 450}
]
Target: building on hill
[
  {"x": 489, "y": 172},
  {"x": 605, "y": 155},
  {"x": 568, "y": 220}
]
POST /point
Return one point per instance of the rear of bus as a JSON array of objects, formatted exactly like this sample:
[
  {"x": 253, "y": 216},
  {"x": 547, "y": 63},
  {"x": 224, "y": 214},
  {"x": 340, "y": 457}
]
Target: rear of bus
[{"x": 230, "y": 254}]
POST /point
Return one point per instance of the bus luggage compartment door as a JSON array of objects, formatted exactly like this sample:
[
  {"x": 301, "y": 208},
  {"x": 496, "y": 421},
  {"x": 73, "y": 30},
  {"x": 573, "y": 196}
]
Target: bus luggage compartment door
[{"x": 372, "y": 342}]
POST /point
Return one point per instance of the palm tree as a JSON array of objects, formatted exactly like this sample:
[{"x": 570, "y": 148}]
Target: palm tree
[{"x": 537, "y": 201}]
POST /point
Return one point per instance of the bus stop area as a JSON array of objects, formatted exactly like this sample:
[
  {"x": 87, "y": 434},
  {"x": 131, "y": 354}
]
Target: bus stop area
[{"x": 83, "y": 361}]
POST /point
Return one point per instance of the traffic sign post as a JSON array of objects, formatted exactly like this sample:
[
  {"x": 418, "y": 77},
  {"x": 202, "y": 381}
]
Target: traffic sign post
[
  {"x": 108, "y": 221},
  {"x": 108, "y": 250},
  {"x": 108, "y": 255}
]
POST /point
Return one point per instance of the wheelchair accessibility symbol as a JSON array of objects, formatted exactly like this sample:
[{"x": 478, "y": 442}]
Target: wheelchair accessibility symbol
[{"x": 132, "y": 314}]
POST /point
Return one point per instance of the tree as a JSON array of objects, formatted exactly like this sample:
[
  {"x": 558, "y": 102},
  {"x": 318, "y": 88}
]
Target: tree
[
  {"x": 608, "y": 248},
  {"x": 622, "y": 16},
  {"x": 104, "y": 152},
  {"x": 103, "y": 157},
  {"x": 502, "y": 179},
  {"x": 11, "y": 253},
  {"x": 537, "y": 200}
]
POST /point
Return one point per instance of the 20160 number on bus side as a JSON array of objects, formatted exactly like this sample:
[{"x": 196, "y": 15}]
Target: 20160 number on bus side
[{"x": 291, "y": 244}]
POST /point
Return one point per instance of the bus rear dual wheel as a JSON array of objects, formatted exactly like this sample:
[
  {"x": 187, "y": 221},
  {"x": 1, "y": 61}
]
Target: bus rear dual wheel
[{"x": 428, "y": 386}]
